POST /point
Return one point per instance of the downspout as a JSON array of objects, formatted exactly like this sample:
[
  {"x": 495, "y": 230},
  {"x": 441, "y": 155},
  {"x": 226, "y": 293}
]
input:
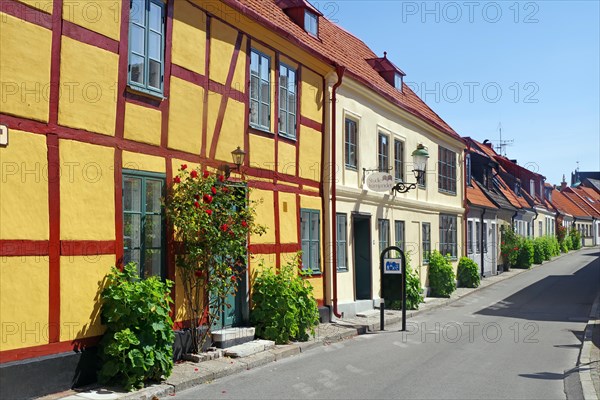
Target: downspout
[
  {"x": 340, "y": 74},
  {"x": 533, "y": 224},
  {"x": 512, "y": 220},
  {"x": 482, "y": 250},
  {"x": 465, "y": 202}
]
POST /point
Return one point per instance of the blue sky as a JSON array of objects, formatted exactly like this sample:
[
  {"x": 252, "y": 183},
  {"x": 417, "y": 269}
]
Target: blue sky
[{"x": 532, "y": 67}]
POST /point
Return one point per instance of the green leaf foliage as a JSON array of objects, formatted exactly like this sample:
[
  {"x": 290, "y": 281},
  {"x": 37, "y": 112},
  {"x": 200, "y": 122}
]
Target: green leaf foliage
[
  {"x": 468, "y": 273},
  {"x": 525, "y": 253},
  {"x": 138, "y": 343},
  {"x": 575, "y": 237},
  {"x": 441, "y": 275},
  {"x": 414, "y": 291},
  {"x": 283, "y": 304}
]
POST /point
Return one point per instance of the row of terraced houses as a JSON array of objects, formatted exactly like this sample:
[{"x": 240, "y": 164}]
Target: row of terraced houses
[{"x": 102, "y": 101}]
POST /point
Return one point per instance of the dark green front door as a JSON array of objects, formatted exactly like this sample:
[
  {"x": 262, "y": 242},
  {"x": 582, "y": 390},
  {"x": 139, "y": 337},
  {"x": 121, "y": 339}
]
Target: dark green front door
[{"x": 361, "y": 227}]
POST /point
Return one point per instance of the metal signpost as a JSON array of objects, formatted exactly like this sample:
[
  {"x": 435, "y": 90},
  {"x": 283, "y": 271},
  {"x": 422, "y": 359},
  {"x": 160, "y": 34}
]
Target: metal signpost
[{"x": 392, "y": 266}]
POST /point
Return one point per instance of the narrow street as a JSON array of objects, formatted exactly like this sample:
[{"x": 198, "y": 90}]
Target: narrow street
[{"x": 513, "y": 340}]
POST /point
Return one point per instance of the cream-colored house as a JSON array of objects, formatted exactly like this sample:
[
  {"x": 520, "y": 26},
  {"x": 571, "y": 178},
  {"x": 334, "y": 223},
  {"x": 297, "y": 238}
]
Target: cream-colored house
[{"x": 377, "y": 123}]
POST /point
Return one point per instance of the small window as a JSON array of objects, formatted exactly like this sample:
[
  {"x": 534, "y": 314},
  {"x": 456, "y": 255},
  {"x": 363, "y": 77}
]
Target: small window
[
  {"x": 446, "y": 171},
  {"x": 398, "y": 81},
  {"x": 426, "y": 241},
  {"x": 260, "y": 91},
  {"x": 477, "y": 237},
  {"x": 484, "y": 238},
  {"x": 384, "y": 234},
  {"x": 287, "y": 101},
  {"x": 143, "y": 222},
  {"x": 342, "y": 242},
  {"x": 448, "y": 243},
  {"x": 399, "y": 234},
  {"x": 531, "y": 188},
  {"x": 147, "y": 45},
  {"x": 310, "y": 222},
  {"x": 398, "y": 160},
  {"x": 383, "y": 153},
  {"x": 469, "y": 237},
  {"x": 468, "y": 167},
  {"x": 350, "y": 143},
  {"x": 311, "y": 23},
  {"x": 540, "y": 229}
]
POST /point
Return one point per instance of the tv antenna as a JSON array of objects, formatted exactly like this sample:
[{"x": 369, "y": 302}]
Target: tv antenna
[{"x": 502, "y": 144}]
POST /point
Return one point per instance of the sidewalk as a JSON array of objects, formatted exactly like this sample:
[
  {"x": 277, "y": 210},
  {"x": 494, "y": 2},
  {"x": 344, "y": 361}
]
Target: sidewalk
[
  {"x": 589, "y": 358},
  {"x": 189, "y": 374}
]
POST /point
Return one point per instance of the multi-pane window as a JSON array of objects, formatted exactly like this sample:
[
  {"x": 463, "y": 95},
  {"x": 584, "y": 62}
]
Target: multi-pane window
[
  {"x": 383, "y": 153},
  {"x": 342, "y": 242},
  {"x": 477, "y": 237},
  {"x": 310, "y": 222},
  {"x": 147, "y": 45},
  {"x": 384, "y": 234},
  {"x": 469, "y": 237},
  {"x": 287, "y": 101},
  {"x": 398, "y": 160},
  {"x": 350, "y": 143},
  {"x": 260, "y": 90},
  {"x": 399, "y": 232},
  {"x": 143, "y": 222},
  {"x": 311, "y": 23},
  {"x": 540, "y": 229},
  {"x": 448, "y": 243},
  {"x": 426, "y": 241},
  {"x": 446, "y": 170},
  {"x": 484, "y": 237},
  {"x": 468, "y": 168},
  {"x": 398, "y": 81}
]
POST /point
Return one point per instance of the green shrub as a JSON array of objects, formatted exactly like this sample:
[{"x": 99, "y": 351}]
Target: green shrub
[
  {"x": 509, "y": 246},
  {"x": 441, "y": 275},
  {"x": 575, "y": 237},
  {"x": 138, "y": 343},
  {"x": 554, "y": 246},
  {"x": 414, "y": 291},
  {"x": 538, "y": 251},
  {"x": 283, "y": 305},
  {"x": 468, "y": 273},
  {"x": 525, "y": 256},
  {"x": 564, "y": 247}
]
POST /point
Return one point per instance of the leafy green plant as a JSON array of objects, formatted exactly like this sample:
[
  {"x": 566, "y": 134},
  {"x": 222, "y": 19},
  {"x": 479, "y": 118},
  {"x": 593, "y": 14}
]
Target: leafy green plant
[
  {"x": 510, "y": 246},
  {"x": 283, "y": 304},
  {"x": 538, "y": 251},
  {"x": 212, "y": 219},
  {"x": 414, "y": 291},
  {"x": 468, "y": 273},
  {"x": 525, "y": 254},
  {"x": 138, "y": 343},
  {"x": 441, "y": 275},
  {"x": 575, "y": 237}
]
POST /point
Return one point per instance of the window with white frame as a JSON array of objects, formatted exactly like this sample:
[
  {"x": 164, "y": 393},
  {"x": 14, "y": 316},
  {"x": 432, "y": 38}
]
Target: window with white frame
[
  {"x": 477, "y": 238},
  {"x": 311, "y": 22},
  {"x": 384, "y": 234},
  {"x": 531, "y": 188},
  {"x": 448, "y": 242},
  {"x": 310, "y": 222},
  {"x": 399, "y": 234},
  {"x": 469, "y": 237},
  {"x": 342, "y": 242},
  {"x": 383, "y": 153},
  {"x": 398, "y": 160},
  {"x": 260, "y": 90},
  {"x": 446, "y": 170},
  {"x": 426, "y": 241},
  {"x": 484, "y": 237},
  {"x": 350, "y": 143},
  {"x": 287, "y": 101},
  {"x": 468, "y": 168}
]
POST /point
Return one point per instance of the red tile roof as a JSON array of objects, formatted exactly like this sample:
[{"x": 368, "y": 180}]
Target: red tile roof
[
  {"x": 566, "y": 206},
  {"x": 578, "y": 197},
  {"x": 476, "y": 197},
  {"x": 337, "y": 46}
]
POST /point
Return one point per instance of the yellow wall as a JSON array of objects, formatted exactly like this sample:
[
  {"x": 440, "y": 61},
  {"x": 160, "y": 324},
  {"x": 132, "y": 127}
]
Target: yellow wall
[
  {"x": 25, "y": 91},
  {"x": 222, "y": 42},
  {"x": 45, "y": 6},
  {"x": 189, "y": 37},
  {"x": 24, "y": 175},
  {"x": 87, "y": 191},
  {"x": 232, "y": 130},
  {"x": 310, "y": 154},
  {"x": 23, "y": 302},
  {"x": 288, "y": 220},
  {"x": 185, "y": 116},
  {"x": 311, "y": 102},
  {"x": 103, "y": 17},
  {"x": 88, "y": 78},
  {"x": 262, "y": 152},
  {"x": 142, "y": 124},
  {"x": 143, "y": 162},
  {"x": 264, "y": 215},
  {"x": 286, "y": 161},
  {"x": 81, "y": 282}
]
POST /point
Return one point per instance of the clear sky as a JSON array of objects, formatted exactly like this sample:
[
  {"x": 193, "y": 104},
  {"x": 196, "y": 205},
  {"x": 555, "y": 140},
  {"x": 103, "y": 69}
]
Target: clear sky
[{"x": 532, "y": 67}]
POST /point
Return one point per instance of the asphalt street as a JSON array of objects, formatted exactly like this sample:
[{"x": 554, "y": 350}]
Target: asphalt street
[{"x": 512, "y": 340}]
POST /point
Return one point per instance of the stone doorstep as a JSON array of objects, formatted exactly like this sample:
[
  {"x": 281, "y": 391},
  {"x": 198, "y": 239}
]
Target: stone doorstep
[
  {"x": 229, "y": 337},
  {"x": 249, "y": 348}
]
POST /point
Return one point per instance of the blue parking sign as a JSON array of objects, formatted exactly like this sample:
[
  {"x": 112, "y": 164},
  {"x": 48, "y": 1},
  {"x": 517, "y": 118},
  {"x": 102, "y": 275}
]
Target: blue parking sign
[{"x": 392, "y": 266}]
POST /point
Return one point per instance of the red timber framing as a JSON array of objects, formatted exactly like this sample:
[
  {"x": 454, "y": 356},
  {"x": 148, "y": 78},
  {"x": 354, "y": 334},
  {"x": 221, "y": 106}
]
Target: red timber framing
[{"x": 259, "y": 178}]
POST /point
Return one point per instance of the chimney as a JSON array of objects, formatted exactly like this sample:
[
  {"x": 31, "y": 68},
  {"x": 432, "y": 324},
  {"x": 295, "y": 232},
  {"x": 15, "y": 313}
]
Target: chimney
[
  {"x": 563, "y": 184},
  {"x": 488, "y": 143}
]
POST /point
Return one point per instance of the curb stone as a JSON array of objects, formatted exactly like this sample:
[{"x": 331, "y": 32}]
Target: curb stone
[{"x": 586, "y": 358}]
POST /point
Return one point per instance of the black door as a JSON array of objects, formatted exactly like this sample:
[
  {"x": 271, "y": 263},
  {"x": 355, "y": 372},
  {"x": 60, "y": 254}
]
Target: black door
[{"x": 361, "y": 228}]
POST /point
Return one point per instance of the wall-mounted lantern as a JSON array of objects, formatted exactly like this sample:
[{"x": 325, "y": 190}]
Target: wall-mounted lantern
[
  {"x": 238, "y": 156},
  {"x": 420, "y": 156}
]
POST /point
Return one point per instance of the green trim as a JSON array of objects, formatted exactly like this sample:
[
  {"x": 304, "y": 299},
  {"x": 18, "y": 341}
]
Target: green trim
[{"x": 311, "y": 240}]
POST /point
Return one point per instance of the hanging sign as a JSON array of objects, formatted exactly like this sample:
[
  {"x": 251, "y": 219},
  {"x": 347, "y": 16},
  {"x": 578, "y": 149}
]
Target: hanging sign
[
  {"x": 380, "y": 182},
  {"x": 392, "y": 266}
]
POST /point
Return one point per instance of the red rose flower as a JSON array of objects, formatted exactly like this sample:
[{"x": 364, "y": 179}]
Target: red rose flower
[
  {"x": 233, "y": 278},
  {"x": 198, "y": 273},
  {"x": 209, "y": 212},
  {"x": 197, "y": 196},
  {"x": 177, "y": 179},
  {"x": 213, "y": 190},
  {"x": 196, "y": 204},
  {"x": 244, "y": 224},
  {"x": 207, "y": 198},
  {"x": 225, "y": 189},
  {"x": 224, "y": 227},
  {"x": 183, "y": 166},
  {"x": 194, "y": 174},
  {"x": 221, "y": 178}
]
